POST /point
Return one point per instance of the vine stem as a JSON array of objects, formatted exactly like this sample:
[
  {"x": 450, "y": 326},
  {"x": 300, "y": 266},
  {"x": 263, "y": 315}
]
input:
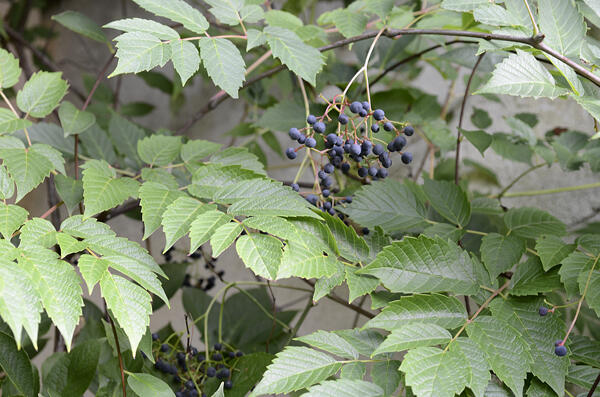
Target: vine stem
[
  {"x": 594, "y": 386},
  {"x": 16, "y": 114},
  {"x": 550, "y": 191},
  {"x": 483, "y": 306},
  {"x": 535, "y": 28},
  {"x": 461, "y": 117},
  {"x": 518, "y": 178},
  {"x": 51, "y": 210},
  {"x": 114, "y": 331}
]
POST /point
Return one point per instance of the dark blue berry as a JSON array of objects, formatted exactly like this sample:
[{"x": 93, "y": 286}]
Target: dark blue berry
[
  {"x": 390, "y": 146},
  {"x": 348, "y": 199},
  {"x": 337, "y": 160},
  {"x": 193, "y": 393},
  {"x": 347, "y": 147},
  {"x": 372, "y": 171},
  {"x": 223, "y": 373},
  {"x": 408, "y": 130},
  {"x": 365, "y": 147},
  {"x": 200, "y": 358},
  {"x": 302, "y": 139},
  {"x": 164, "y": 348},
  {"x": 343, "y": 119},
  {"x": 399, "y": 143},
  {"x": 155, "y": 336},
  {"x": 560, "y": 350},
  {"x": 385, "y": 159},
  {"x": 378, "y": 114},
  {"x": 543, "y": 310},
  {"x": 366, "y": 106},
  {"x": 180, "y": 356},
  {"x": 321, "y": 174},
  {"x": 375, "y": 127},
  {"x": 295, "y": 187},
  {"x": 179, "y": 394},
  {"x": 319, "y": 127},
  {"x": 388, "y": 126},
  {"x": 362, "y": 172},
  {"x": 193, "y": 351},
  {"x": 310, "y": 142},
  {"x": 189, "y": 384},
  {"x": 311, "y": 198},
  {"x": 327, "y": 182},
  {"x": 231, "y": 354},
  {"x": 365, "y": 230},
  {"x": 311, "y": 119},
  {"x": 339, "y": 141},
  {"x": 558, "y": 342},
  {"x": 356, "y": 107},
  {"x": 211, "y": 372},
  {"x": 217, "y": 356},
  {"x": 228, "y": 384},
  {"x": 362, "y": 113},
  {"x": 172, "y": 369},
  {"x": 331, "y": 139},
  {"x": 331, "y": 211},
  {"x": 345, "y": 167},
  {"x": 382, "y": 173},
  {"x": 407, "y": 158},
  {"x": 355, "y": 149},
  {"x": 327, "y": 205},
  {"x": 378, "y": 149},
  {"x": 294, "y": 133},
  {"x": 326, "y": 192},
  {"x": 290, "y": 153},
  {"x": 338, "y": 151}
]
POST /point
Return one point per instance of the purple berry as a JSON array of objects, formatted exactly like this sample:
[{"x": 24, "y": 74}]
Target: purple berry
[
  {"x": 407, "y": 157},
  {"x": 388, "y": 126},
  {"x": 310, "y": 142},
  {"x": 543, "y": 311},
  {"x": 319, "y": 127},
  {"x": 408, "y": 130},
  {"x": 294, "y": 134},
  {"x": 328, "y": 168},
  {"x": 290, "y": 153},
  {"x": 375, "y": 127},
  {"x": 378, "y": 114},
  {"x": 311, "y": 119},
  {"x": 295, "y": 187},
  {"x": 362, "y": 172},
  {"x": 363, "y": 113},
  {"x": 366, "y": 106},
  {"x": 355, "y": 149},
  {"x": 560, "y": 350},
  {"x": 378, "y": 149},
  {"x": 343, "y": 119},
  {"x": 382, "y": 173},
  {"x": 356, "y": 107}
]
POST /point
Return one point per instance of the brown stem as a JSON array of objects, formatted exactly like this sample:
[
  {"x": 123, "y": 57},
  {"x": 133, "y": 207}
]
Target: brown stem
[
  {"x": 594, "y": 386},
  {"x": 274, "y": 317},
  {"x": 51, "y": 210},
  {"x": 342, "y": 302},
  {"x": 114, "y": 331},
  {"x": 460, "y": 119}
]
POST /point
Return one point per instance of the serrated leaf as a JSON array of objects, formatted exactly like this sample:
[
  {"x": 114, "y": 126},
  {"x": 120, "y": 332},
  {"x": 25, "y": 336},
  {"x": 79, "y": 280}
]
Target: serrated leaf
[
  {"x": 386, "y": 375},
  {"x": 9, "y": 122},
  {"x": 282, "y": 116},
  {"x": 476, "y": 368},
  {"x": 204, "y": 226},
  {"x": 299, "y": 260},
  {"x": 96, "y": 144},
  {"x": 359, "y": 285},
  {"x": 531, "y": 222},
  {"x": 51, "y": 154},
  {"x": 530, "y": 279},
  {"x": 178, "y": 217},
  {"x": 210, "y": 178},
  {"x": 283, "y": 19},
  {"x": 552, "y": 250},
  {"x": 585, "y": 350},
  {"x": 148, "y": 385},
  {"x": 81, "y": 24},
  {"x": 365, "y": 341},
  {"x": 102, "y": 190},
  {"x": 185, "y": 58},
  {"x": 590, "y": 278},
  {"x": 92, "y": 268},
  {"x": 344, "y": 387},
  {"x": 178, "y": 11},
  {"x": 324, "y": 285},
  {"x": 388, "y": 204},
  {"x": 198, "y": 149},
  {"x": 356, "y": 370},
  {"x": 224, "y": 236},
  {"x": 433, "y": 372},
  {"x": 37, "y": 231},
  {"x": 139, "y": 51},
  {"x": 295, "y": 368},
  {"x": 73, "y": 120},
  {"x": 239, "y": 156},
  {"x": 539, "y": 332},
  {"x": 424, "y": 265},
  {"x": 68, "y": 244},
  {"x": 445, "y": 231},
  {"x": 261, "y": 253},
  {"x": 69, "y": 190},
  {"x": 563, "y": 26},
  {"x": 480, "y": 139},
  {"x": 351, "y": 246},
  {"x": 349, "y": 23},
  {"x": 154, "y": 200},
  {"x": 138, "y": 272},
  {"x": 42, "y": 93},
  {"x": 19, "y": 370},
  {"x": 286, "y": 204},
  {"x": 538, "y": 389},
  {"x": 159, "y": 150},
  {"x": 505, "y": 146},
  {"x": 505, "y": 350},
  {"x": 11, "y": 218},
  {"x": 124, "y": 136},
  {"x": 224, "y": 64},
  {"x": 9, "y": 69},
  {"x": 445, "y": 311},
  {"x": 413, "y": 335},
  {"x": 130, "y": 304},
  {"x": 582, "y": 375},
  {"x": 255, "y": 39},
  {"x": 495, "y": 15},
  {"x": 571, "y": 267},
  {"x": 449, "y": 200},
  {"x": 300, "y": 58},
  {"x": 463, "y": 5},
  {"x": 522, "y": 75},
  {"x": 274, "y": 225},
  {"x": 157, "y": 29},
  {"x": 57, "y": 284},
  {"x": 331, "y": 343},
  {"x": 226, "y": 11},
  {"x": 500, "y": 253}
]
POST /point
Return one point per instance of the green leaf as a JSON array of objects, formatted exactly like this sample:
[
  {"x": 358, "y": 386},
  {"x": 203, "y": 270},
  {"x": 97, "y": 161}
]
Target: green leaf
[
  {"x": 278, "y": 227},
  {"x": 28, "y": 167},
  {"x": 42, "y": 93},
  {"x": 475, "y": 367},
  {"x": 154, "y": 200},
  {"x": 38, "y": 231},
  {"x": 68, "y": 244},
  {"x": 505, "y": 350},
  {"x": 463, "y": 5},
  {"x": 538, "y": 389},
  {"x": 9, "y": 69},
  {"x": 522, "y": 75},
  {"x": 58, "y": 286},
  {"x": 449, "y": 200},
  {"x": 481, "y": 118},
  {"x": 365, "y": 341},
  {"x": 552, "y": 250},
  {"x": 585, "y": 350},
  {"x": 224, "y": 64},
  {"x": 148, "y": 385},
  {"x": 102, "y": 190},
  {"x": 359, "y": 285},
  {"x": 72, "y": 373},
  {"x": 129, "y": 303},
  {"x": 582, "y": 375},
  {"x": 349, "y": 23},
  {"x": 198, "y": 149},
  {"x": 324, "y": 285},
  {"x": 96, "y": 144},
  {"x": 351, "y": 246},
  {"x": 124, "y": 136},
  {"x": 522, "y": 130},
  {"x": 445, "y": 311},
  {"x": 224, "y": 236},
  {"x": 178, "y": 217},
  {"x": 9, "y": 122},
  {"x": 284, "y": 202},
  {"x": 157, "y": 29},
  {"x": 81, "y": 24},
  {"x": 282, "y": 116},
  {"x": 139, "y": 51},
  {"x": 283, "y": 19},
  {"x": 571, "y": 267},
  {"x": 331, "y": 343},
  {"x": 185, "y": 58},
  {"x": 11, "y": 218},
  {"x": 295, "y": 368},
  {"x": 69, "y": 190},
  {"x": 239, "y": 156},
  {"x": 256, "y": 38},
  {"x": 388, "y": 204},
  {"x": 386, "y": 375},
  {"x": 445, "y": 231},
  {"x": 480, "y": 139},
  {"x": 203, "y": 227},
  {"x": 413, "y": 335},
  {"x": 261, "y": 253},
  {"x": 344, "y": 387},
  {"x": 210, "y": 178},
  {"x": 7, "y": 186},
  {"x": 433, "y": 372},
  {"x": 159, "y": 150},
  {"x": 500, "y": 253},
  {"x": 424, "y": 265},
  {"x": 220, "y": 392},
  {"x": 73, "y": 120},
  {"x": 590, "y": 278},
  {"x": 530, "y": 279},
  {"x": 178, "y": 11},
  {"x": 301, "y": 260},
  {"x": 300, "y": 58},
  {"x": 532, "y": 222},
  {"x": 539, "y": 332},
  {"x": 17, "y": 367},
  {"x": 226, "y": 11},
  {"x": 495, "y": 15},
  {"x": 563, "y": 26},
  {"x": 505, "y": 146},
  {"x": 355, "y": 370}
]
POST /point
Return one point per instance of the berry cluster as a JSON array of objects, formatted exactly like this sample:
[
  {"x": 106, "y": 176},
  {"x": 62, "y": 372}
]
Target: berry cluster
[
  {"x": 189, "y": 370},
  {"x": 559, "y": 346},
  {"x": 206, "y": 284},
  {"x": 353, "y": 148}
]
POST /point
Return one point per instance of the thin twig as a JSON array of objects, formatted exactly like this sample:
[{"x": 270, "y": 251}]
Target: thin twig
[
  {"x": 518, "y": 178},
  {"x": 594, "y": 386},
  {"x": 535, "y": 28},
  {"x": 114, "y": 331},
  {"x": 460, "y": 119},
  {"x": 274, "y": 317},
  {"x": 342, "y": 302}
]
